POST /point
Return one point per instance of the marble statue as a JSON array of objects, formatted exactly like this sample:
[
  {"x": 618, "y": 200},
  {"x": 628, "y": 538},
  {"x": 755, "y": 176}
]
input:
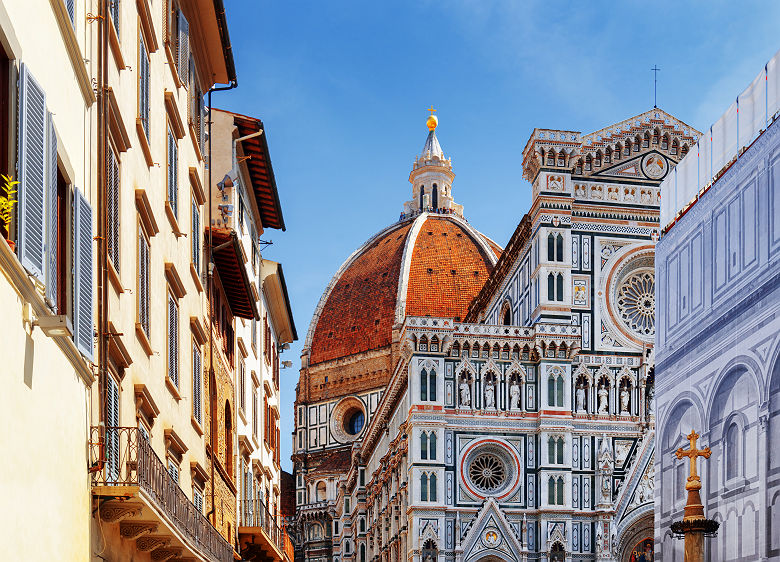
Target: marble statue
[
  {"x": 465, "y": 394},
  {"x": 514, "y": 396},
  {"x": 624, "y": 400},
  {"x": 490, "y": 394},
  {"x": 580, "y": 398},
  {"x": 603, "y": 399}
]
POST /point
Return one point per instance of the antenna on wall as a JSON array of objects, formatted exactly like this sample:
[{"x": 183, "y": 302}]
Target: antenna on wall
[{"x": 655, "y": 70}]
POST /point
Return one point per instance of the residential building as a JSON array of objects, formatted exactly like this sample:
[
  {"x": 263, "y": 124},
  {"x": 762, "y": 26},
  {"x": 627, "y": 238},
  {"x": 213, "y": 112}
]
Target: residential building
[
  {"x": 717, "y": 352},
  {"x": 243, "y": 205}
]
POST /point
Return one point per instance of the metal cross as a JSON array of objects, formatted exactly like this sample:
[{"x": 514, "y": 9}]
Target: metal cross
[
  {"x": 692, "y": 453},
  {"x": 431, "y": 109},
  {"x": 655, "y": 70}
]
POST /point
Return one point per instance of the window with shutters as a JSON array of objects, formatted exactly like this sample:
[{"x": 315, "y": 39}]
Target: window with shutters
[
  {"x": 255, "y": 413},
  {"x": 173, "y": 470},
  {"x": 242, "y": 386},
  {"x": 197, "y": 499},
  {"x": 143, "y": 281},
  {"x": 143, "y": 430},
  {"x": 113, "y": 9},
  {"x": 143, "y": 84},
  {"x": 83, "y": 260},
  {"x": 5, "y": 111},
  {"x": 112, "y": 175},
  {"x": 197, "y": 383},
  {"x": 173, "y": 173},
  {"x": 195, "y": 235},
  {"x": 254, "y": 335},
  {"x": 173, "y": 339},
  {"x": 112, "y": 432}
]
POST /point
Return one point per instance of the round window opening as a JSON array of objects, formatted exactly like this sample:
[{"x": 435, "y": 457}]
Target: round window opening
[
  {"x": 488, "y": 472},
  {"x": 354, "y": 421},
  {"x": 636, "y": 303}
]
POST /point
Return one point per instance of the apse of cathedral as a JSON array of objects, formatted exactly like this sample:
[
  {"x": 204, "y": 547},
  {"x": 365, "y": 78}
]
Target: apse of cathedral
[{"x": 460, "y": 401}]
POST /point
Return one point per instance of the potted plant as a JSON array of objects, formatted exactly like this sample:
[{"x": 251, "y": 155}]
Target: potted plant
[{"x": 7, "y": 203}]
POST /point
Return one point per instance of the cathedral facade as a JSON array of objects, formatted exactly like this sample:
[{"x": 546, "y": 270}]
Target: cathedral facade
[{"x": 460, "y": 402}]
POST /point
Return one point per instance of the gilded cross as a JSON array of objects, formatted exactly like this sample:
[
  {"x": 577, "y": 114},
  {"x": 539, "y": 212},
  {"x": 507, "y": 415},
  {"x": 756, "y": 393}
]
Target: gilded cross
[
  {"x": 431, "y": 109},
  {"x": 693, "y": 453}
]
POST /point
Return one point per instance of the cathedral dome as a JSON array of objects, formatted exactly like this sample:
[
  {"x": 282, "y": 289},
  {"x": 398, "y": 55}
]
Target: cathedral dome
[{"x": 432, "y": 264}]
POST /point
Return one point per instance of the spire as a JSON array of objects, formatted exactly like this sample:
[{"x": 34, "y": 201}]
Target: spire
[{"x": 431, "y": 178}]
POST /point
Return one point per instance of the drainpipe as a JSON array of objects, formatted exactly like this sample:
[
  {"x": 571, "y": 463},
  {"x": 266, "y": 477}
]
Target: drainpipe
[{"x": 102, "y": 225}]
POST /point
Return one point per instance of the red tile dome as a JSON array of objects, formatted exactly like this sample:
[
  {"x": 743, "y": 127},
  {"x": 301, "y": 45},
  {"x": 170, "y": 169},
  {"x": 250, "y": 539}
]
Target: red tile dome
[{"x": 434, "y": 265}]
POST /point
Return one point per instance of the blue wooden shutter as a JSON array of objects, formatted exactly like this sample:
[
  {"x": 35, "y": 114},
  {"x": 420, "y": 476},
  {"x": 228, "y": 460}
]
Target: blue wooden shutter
[
  {"x": 32, "y": 173},
  {"x": 143, "y": 87},
  {"x": 113, "y": 208},
  {"x": 113, "y": 7},
  {"x": 112, "y": 433},
  {"x": 82, "y": 268},
  {"x": 143, "y": 281},
  {"x": 197, "y": 383},
  {"x": 173, "y": 340},
  {"x": 184, "y": 47},
  {"x": 196, "y": 236},
  {"x": 70, "y": 5},
  {"x": 51, "y": 215},
  {"x": 172, "y": 172}
]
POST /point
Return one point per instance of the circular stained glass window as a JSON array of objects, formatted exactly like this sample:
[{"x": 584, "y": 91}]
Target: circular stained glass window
[
  {"x": 488, "y": 472},
  {"x": 354, "y": 422},
  {"x": 636, "y": 303}
]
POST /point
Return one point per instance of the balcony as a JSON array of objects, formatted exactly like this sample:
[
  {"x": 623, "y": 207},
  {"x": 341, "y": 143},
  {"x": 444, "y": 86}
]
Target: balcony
[
  {"x": 138, "y": 493},
  {"x": 259, "y": 534}
]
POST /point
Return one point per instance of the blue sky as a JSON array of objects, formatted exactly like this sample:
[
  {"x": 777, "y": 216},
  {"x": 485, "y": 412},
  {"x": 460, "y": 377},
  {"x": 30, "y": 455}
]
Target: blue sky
[{"x": 342, "y": 88}]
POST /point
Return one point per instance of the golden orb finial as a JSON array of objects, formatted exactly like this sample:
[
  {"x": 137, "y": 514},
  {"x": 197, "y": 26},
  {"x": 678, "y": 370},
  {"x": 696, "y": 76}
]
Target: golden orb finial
[{"x": 432, "y": 120}]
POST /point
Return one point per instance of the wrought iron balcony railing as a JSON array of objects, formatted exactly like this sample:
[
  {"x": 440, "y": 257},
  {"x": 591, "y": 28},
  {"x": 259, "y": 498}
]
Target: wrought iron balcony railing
[
  {"x": 131, "y": 461},
  {"x": 254, "y": 513}
]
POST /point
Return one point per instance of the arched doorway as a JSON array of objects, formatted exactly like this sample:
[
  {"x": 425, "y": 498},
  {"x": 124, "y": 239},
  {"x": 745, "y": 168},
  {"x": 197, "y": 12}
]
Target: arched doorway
[
  {"x": 642, "y": 551},
  {"x": 557, "y": 553}
]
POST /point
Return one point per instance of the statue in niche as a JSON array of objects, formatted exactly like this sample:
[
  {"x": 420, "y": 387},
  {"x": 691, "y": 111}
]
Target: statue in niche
[
  {"x": 651, "y": 401},
  {"x": 603, "y": 399},
  {"x": 514, "y": 395},
  {"x": 465, "y": 393},
  {"x": 624, "y": 399},
  {"x": 490, "y": 394},
  {"x": 580, "y": 395}
]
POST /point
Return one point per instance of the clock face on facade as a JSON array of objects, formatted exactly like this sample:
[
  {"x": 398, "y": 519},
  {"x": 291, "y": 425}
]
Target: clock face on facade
[{"x": 655, "y": 166}]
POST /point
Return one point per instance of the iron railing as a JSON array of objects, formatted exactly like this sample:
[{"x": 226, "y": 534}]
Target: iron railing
[
  {"x": 254, "y": 513},
  {"x": 131, "y": 461}
]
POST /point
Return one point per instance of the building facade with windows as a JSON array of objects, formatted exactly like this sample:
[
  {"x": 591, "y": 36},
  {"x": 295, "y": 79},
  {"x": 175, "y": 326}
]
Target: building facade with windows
[
  {"x": 718, "y": 353},
  {"x": 521, "y": 427},
  {"x": 47, "y": 109}
]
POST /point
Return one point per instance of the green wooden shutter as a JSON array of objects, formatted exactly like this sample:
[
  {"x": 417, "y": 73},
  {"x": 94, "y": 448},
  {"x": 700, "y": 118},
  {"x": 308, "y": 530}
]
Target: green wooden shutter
[
  {"x": 32, "y": 173},
  {"x": 51, "y": 215},
  {"x": 83, "y": 260}
]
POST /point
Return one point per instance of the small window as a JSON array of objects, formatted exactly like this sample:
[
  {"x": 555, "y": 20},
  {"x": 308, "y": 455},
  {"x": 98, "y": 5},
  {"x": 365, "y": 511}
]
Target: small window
[
  {"x": 559, "y": 287},
  {"x": 550, "y": 287},
  {"x": 173, "y": 470},
  {"x": 559, "y": 247},
  {"x": 197, "y": 499},
  {"x": 551, "y": 247},
  {"x": 424, "y": 445},
  {"x": 733, "y": 456},
  {"x": 432, "y": 446}
]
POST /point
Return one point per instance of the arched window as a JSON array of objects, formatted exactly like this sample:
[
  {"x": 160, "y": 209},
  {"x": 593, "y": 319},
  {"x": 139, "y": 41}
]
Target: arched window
[
  {"x": 559, "y": 451},
  {"x": 315, "y": 531},
  {"x": 424, "y": 445},
  {"x": 435, "y": 196},
  {"x": 228, "y": 438},
  {"x": 559, "y": 287},
  {"x": 551, "y": 450},
  {"x": 322, "y": 491},
  {"x": 559, "y": 490},
  {"x": 424, "y": 487},
  {"x": 432, "y": 487},
  {"x": 665, "y": 142},
  {"x": 507, "y": 319},
  {"x": 423, "y": 385},
  {"x": 551, "y": 390},
  {"x": 432, "y": 386},
  {"x": 646, "y": 140},
  {"x": 732, "y": 451},
  {"x": 432, "y": 445},
  {"x": 559, "y": 247},
  {"x": 627, "y": 148},
  {"x": 362, "y": 525},
  {"x": 362, "y": 552},
  {"x": 559, "y": 391},
  {"x": 551, "y": 287},
  {"x": 551, "y": 491},
  {"x": 551, "y": 247},
  {"x": 422, "y": 195},
  {"x": 429, "y": 552}
]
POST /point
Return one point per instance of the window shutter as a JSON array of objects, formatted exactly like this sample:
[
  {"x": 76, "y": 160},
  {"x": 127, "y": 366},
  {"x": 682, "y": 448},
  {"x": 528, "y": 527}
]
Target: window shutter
[
  {"x": 196, "y": 236},
  {"x": 184, "y": 47},
  {"x": 201, "y": 120},
  {"x": 112, "y": 434},
  {"x": 143, "y": 281},
  {"x": 114, "y": 8},
  {"x": 82, "y": 283},
  {"x": 32, "y": 173},
  {"x": 197, "y": 385},
  {"x": 70, "y": 5},
  {"x": 51, "y": 216},
  {"x": 173, "y": 341},
  {"x": 113, "y": 208},
  {"x": 143, "y": 88},
  {"x": 172, "y": 172}
]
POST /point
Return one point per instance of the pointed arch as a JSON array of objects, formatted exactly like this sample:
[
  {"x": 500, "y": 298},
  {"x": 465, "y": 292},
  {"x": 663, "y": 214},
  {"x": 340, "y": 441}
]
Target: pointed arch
[
  {"x": 559, "y": 247},
  {"x": 550, "y": 287},
  {"x": 551, "y": 247},
  {"x": 559, "y": 287},
  {"x": 422, "y": 196},
  {"x": 435, "y": 196}
]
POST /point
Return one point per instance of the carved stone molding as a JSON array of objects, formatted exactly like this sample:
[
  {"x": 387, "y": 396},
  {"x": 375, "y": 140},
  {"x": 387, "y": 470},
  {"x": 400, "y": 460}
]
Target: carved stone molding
[
  {"x": 149, "y": 543},
  {"x": 116, "y": 511},
  {"x": 163, "y": 554},
  {"x": 136, "y": 529}
]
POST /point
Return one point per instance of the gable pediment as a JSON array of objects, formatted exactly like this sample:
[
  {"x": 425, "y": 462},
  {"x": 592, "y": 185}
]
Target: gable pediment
[
  {"x": 650, "y": 165},
  {"x": 491, "y": 534}
]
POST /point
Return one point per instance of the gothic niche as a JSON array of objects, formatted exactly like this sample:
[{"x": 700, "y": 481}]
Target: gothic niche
[
  {"x": 581, "y": 394},
  {"x": 515, "y": 392},
  {"x": 429, "y": 551},
  {"x": 464, "y": 390},
  {"x": 624, "y": 396},
  {"x": 603, "y": 396},
  {"x": 490, "y": 390}
]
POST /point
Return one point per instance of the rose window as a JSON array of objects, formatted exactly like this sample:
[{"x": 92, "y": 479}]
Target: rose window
[
  {"x": 488, "y": 472},
  {"x": 636, "y": 303}
]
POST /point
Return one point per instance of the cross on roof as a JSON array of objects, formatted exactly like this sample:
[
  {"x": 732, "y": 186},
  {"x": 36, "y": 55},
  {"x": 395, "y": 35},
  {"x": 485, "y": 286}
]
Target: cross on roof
[
  {"x": 693, "y": 453},
  {"x": 431, "y": 109}
]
